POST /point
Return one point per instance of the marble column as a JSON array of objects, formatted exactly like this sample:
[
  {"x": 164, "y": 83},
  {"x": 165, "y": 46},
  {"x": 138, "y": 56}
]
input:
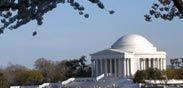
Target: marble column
[
  {"x": 144, "y": 67},
  {"x": 127, "y": 67},
  {"x": 101, "y": 69},
  {"x": 110, "y": 66},
  {"x": 124, "y": 66},
  {"x": 105, "y": 62},
  {"x": 141, "y": 64},
  {"x": 161, "y": 64},
  {"x": 155, "y": 66},
  {"x": 164, "y": 63},
  {"x": 97, "y": 67},
  {"x": 158, "y": 63},
  {"x": 93, "y": 64},
  {"x": 138, "y": 64},
  {"x": 149, "y": 62},
  {"x": 115, "y": 67},
  {"x": 154, "y": 63},
  {"x": 119, "y": 67}
]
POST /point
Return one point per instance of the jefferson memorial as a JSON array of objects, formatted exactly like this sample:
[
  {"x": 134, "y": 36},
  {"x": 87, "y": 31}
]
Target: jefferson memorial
[
  {"x": 113, "y": 67},
  {"x": 127, "y": 55}
]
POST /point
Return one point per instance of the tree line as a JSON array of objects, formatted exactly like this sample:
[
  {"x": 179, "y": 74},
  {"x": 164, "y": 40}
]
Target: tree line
[
  {"x": 176, "y": 63},
  {"x": 174, "y": 71},
  {"x": 44, "y": 71}
]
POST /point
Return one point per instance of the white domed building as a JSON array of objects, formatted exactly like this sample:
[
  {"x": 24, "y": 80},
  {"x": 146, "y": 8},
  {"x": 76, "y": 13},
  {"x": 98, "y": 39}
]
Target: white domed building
[{"x": 127, "y": 55}]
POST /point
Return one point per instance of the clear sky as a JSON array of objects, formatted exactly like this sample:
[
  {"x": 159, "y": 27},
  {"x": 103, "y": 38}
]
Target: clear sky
[{"x": 67, "y": 35}]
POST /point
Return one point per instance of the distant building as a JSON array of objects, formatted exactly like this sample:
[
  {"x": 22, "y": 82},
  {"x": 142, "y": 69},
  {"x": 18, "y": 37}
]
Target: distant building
[{"x": 127, "y": 55}]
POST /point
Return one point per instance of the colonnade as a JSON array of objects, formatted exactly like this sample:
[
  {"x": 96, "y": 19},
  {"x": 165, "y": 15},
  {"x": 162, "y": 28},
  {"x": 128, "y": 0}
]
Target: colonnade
[
  {"x": 122, "y": 67},
  {"x": 115, "y": 67},
  {"x": 159, "y": 63}
]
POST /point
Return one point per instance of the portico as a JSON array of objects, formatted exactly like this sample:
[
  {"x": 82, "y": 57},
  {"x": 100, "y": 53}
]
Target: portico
[{"x": 127, "y": 55}]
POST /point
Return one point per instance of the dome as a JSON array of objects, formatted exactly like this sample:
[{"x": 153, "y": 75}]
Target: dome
[{"x": 133, "y": 43}]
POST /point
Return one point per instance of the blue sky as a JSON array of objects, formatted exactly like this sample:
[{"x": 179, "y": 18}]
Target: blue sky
[{"x": 67, "y": 35}]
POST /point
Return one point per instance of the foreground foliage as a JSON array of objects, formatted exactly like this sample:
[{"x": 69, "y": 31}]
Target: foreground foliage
[
  {"x": 15, "y": 13},
  {"x": 166, "y": 10}
]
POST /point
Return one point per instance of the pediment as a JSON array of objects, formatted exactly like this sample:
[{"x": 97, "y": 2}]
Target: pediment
[{"x": 108, "y": 52}]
